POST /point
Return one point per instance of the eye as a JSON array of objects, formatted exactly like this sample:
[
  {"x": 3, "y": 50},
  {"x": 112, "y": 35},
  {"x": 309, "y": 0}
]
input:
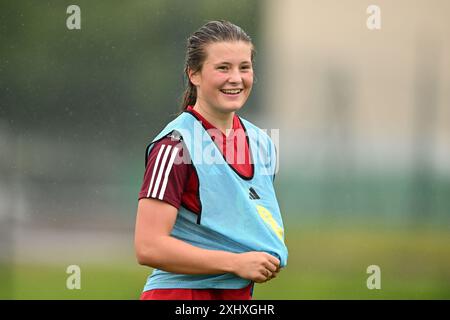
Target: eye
[
  {"x": 246, "y": 67},
  {"x": 222, "y": 68}
]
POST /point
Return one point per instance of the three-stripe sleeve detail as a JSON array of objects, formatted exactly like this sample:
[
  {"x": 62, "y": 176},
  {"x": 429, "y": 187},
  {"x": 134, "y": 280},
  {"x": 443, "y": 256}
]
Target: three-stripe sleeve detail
[{"x": 161, "y": 170}]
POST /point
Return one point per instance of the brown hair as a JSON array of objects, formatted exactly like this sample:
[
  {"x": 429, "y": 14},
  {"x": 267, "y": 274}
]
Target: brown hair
[{"x": 212, "y": 31}]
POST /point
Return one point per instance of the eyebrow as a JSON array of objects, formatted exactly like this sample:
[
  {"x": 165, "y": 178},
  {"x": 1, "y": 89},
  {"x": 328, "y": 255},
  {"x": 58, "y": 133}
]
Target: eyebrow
[{"x": 229, "y": 63}]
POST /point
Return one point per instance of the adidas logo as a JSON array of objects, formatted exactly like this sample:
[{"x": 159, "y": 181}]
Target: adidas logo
[{"x": 252, "y": 194}]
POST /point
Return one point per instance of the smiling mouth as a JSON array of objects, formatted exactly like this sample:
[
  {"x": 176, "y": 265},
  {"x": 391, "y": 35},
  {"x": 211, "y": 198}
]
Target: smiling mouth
[{"x": 231, "y": 91}]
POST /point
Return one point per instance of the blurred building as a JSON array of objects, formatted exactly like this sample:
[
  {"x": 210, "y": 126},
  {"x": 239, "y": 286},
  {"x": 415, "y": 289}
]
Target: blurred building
[{"x": 344, "y": 95}]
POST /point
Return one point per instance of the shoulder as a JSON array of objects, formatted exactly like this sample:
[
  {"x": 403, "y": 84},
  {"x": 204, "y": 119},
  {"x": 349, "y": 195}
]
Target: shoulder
[
  {"x": 172, "y": 139},
  {"x": 248, "y": 124},
  {"x": 169, "y": 146},
  {"x": 255, "y": 131}
]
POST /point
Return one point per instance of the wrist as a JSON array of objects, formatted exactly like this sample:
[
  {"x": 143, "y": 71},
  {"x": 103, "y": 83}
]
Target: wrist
[{"x": 230, "y": 262}]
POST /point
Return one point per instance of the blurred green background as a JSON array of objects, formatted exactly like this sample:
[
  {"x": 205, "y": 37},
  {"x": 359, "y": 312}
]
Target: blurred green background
[{"x": 364, "y": 126}]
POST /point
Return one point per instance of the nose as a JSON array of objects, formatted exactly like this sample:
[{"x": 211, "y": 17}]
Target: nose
[{"x": 235, "y": 76}]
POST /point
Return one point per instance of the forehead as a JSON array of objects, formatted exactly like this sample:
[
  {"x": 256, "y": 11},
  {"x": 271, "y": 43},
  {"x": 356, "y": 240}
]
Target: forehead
[{"x": 228, "y": 51}]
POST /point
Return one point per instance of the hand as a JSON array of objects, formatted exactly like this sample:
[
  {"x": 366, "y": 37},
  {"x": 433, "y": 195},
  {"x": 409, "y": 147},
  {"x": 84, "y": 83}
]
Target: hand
[{"x": 256, "y": 266}]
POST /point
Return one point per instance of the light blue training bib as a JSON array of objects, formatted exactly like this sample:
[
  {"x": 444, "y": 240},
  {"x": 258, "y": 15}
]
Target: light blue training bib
[{"x": 237, "y": 214}]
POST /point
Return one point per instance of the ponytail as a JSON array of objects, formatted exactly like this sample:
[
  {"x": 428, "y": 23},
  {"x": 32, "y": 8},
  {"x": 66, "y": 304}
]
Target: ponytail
[{"x": 190, "y": 93}]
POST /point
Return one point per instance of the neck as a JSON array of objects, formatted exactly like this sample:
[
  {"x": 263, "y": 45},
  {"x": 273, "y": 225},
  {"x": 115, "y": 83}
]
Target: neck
[{"x": 220, "y": 120}]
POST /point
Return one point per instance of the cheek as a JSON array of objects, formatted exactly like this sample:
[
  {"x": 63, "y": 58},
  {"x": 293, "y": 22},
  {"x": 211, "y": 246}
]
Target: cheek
[
  {"x": 248, "y": 80},
  {"x": 217, "y": 77}
]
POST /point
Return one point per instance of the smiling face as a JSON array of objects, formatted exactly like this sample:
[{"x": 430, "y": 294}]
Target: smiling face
[{"x": 226, "y": 78}]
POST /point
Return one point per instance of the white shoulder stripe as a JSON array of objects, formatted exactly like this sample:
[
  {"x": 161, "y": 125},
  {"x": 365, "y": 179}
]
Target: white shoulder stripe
[
  {"x": 160, "y": 171},
  {"x": 155, "y": 168},
  {"x": 166, "y": 174}
]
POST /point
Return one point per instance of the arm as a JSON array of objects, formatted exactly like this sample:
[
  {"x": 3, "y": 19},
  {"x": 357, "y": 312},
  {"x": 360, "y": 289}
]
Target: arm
[{"x": 155, "y": 247}]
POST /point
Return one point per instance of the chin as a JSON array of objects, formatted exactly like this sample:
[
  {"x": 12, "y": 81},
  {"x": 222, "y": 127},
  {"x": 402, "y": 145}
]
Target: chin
[{"x": 232, "y": 106}]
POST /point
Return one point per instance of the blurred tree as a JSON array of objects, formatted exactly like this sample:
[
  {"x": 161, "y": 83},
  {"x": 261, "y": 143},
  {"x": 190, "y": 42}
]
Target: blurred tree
[{"x": 117, "y": 79}]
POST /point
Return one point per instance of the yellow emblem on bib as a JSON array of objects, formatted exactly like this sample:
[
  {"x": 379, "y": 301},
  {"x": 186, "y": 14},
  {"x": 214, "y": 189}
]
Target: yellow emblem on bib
[{"x": 268, "y": 218}]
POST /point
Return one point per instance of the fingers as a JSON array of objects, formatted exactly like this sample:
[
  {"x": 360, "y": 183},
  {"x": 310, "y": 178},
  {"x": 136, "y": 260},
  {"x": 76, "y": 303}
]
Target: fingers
[
  {"x": 258, "y": 266},
  {"x": 273, "y": 267},
  {"x": 273, "y": 260},
  {"x": 272, "y": 274},
  {"x": 269, "y": 275},
  {"x": 265, "y": 275}
]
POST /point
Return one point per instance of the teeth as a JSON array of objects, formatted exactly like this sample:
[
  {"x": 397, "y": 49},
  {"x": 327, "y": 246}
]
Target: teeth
[{"x": 234, "y": 91}]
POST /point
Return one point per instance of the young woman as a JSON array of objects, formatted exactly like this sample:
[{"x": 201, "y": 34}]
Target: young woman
[{"x": 208, "y": 220}]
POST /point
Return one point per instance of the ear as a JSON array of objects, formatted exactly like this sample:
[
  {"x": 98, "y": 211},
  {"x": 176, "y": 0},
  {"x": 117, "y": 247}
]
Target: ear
[{"x": 194, "y": 77}]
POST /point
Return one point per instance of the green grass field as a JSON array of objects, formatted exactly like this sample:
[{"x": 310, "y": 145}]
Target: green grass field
[{"x": 323, "y": 264}]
